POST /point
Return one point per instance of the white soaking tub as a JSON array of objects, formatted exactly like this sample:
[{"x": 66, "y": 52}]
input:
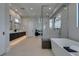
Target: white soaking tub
[{"x": 58, "y": 45}]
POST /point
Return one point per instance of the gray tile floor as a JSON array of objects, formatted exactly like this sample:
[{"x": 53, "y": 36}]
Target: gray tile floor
[{"x": 29, "y": 47}]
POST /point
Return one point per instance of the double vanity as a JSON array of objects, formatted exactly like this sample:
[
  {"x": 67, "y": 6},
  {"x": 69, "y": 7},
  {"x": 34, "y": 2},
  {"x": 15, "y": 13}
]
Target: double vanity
[{"x": 16, "y": 35}]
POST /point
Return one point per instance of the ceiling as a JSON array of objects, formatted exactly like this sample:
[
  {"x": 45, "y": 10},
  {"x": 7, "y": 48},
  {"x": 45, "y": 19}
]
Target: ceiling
[{"x": 33, "y": 9}]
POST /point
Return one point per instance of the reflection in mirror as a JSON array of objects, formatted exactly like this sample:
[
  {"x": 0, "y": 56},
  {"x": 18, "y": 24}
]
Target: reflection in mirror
[
  {"x": 15, "y": 22},
  {"x": 50, "y": 23},
  {"x": 57, "y": 22}
]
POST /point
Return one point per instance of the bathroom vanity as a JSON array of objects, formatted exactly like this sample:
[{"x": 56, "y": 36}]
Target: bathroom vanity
[{"x": 16, "y": 35}]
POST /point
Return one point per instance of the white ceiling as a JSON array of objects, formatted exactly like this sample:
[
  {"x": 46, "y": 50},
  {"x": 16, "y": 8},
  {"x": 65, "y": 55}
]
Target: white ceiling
[{"x": 36, "y": 9}]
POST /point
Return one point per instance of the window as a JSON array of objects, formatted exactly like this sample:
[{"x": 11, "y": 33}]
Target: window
[
  {"x": 77, "y": 20},
  {"x": 57, "y": 21},
  {"x": 50, "y": 23}
]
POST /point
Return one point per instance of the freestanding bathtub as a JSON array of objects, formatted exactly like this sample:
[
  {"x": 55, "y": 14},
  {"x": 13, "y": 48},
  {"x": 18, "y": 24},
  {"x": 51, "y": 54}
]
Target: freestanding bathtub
[{"x": 58, "y": 44}]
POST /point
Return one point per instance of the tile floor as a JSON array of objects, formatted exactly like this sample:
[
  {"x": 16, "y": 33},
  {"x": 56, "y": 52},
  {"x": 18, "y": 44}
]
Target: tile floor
[{"x": 28, "y": 47}]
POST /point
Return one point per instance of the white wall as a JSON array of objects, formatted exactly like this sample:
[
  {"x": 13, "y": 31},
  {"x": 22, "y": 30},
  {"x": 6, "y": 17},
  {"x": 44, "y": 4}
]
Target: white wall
[
  {"x": 52, "y": 32},
  {"x": 73, "y": 30},
  {"x": 7, "y": 27},
  {"x": 64, "y": 21},
  {"x": 47, "y": 31},
  {"x": 4, "y": 23},
  {"x": 30, "y": 24},
  {"x": 45, "y": 28}
]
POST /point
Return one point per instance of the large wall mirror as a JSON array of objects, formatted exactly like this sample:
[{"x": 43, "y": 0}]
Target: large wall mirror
[{"x": 15, "y": 22}]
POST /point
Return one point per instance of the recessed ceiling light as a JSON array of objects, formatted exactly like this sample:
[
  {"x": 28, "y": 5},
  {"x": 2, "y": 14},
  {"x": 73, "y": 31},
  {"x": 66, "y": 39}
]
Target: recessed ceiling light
[
  {"x": 50, "y": 8},
  {"x": 31, "y": 8}
]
